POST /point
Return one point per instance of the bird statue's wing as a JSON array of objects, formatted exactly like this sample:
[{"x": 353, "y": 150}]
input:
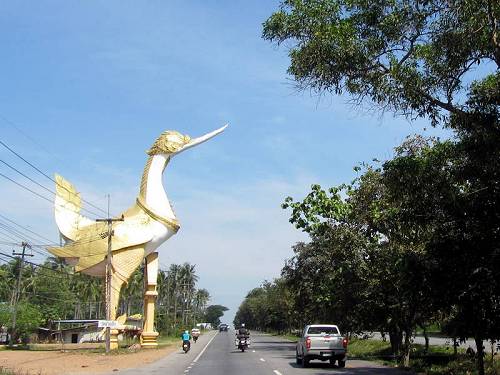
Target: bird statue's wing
[
  {"x": 90, "y": 245},
  {"x": 67, "y": 209}
]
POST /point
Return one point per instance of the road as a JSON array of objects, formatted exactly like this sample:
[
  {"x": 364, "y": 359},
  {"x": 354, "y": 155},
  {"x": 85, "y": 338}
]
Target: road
[{"x": 216, "y": 354}]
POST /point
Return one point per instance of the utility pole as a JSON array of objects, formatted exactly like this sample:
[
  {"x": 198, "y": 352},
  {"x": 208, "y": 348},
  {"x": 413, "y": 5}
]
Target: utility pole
[
  {"x": 18, "y": 288},
  {"x": 109, "y": 275}
]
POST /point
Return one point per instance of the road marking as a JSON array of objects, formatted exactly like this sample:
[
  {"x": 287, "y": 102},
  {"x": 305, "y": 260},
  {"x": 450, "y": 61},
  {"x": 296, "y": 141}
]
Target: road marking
[
  {"x": 277, "y": 372},
  {"x": 253, "y": 351},
  {"x": 262, "y": 359},
  {"x": 205, "y": 348}
]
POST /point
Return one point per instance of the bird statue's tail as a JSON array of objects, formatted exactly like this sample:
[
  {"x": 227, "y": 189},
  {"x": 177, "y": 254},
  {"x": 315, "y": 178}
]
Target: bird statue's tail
[{"x": 67, "y": 209}]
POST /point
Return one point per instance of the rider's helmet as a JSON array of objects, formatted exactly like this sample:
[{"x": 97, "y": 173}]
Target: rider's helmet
[{"x": 186, "y": 331}]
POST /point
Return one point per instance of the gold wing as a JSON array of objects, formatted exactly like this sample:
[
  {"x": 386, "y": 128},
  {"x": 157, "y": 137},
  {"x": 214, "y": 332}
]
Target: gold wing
[
  {"x": 91, "y": 242},
  {"x": 67, "y": 206}
]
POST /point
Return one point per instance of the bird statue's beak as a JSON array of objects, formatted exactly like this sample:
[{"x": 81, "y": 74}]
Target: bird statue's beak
[{"x": 196, "y": 141}]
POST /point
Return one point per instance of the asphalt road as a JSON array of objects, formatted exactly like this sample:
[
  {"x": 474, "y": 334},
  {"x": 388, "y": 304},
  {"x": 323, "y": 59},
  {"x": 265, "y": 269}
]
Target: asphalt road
[{"x": 216, "y": 354}]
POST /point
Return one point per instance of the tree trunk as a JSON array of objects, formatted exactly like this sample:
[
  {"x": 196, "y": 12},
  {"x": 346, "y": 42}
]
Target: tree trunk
[
  {"x": 407, "y": 349},
  {"x": 426, "y": 336},
  {"x": 479, "y": 354},
  {"x": 396, "y": 339}
]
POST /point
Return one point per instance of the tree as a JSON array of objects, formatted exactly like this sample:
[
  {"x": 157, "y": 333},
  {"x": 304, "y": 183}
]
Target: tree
[
  {"x": 29, "y": 318},
  {"x": 214, "y": 313},
  {"x": 408, "y": 57},
  {"x": 417, "y": 58}
]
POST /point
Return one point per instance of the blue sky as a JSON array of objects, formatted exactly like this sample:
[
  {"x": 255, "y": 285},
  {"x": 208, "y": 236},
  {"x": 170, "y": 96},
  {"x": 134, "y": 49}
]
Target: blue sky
[{"x": 86, "y": 87}]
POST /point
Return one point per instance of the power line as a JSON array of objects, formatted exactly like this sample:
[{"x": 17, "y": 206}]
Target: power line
[
  {"x": 41, "y": 196},
  {"x": 8, "y": 234},
  {"x": 29, "y": 230},
  {"x": 47, "y": 176},
  {"x": 14, "y": 231},
  {"x": 36, "y": 265},
  {"x": 22, "y": 236},
  {"x": 13, "y": 125},
  {"x": 29, "y": 178},
  {"x": 38, "y": 184}
]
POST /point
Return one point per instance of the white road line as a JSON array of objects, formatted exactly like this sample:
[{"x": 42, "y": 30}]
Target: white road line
[
  {"x": 262, "y": 359},
  {"x": 205, "y": 348},
  {"x": 277, "y": 372},
  {"x": 253, "y": 351}
]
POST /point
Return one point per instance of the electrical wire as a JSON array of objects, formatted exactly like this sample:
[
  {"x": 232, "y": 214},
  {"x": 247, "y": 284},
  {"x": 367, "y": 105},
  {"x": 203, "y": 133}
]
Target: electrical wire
[
  {"x": 40, "y": 185},
  {"x": 39, "y": 195},
  {"x": 48, "y": 177},
  {"x": 29, "y": 230}
]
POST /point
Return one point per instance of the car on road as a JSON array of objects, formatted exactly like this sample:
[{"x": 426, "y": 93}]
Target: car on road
[
  {"x": 323, "y": 342},
  {"x": 223, "y": 327}
]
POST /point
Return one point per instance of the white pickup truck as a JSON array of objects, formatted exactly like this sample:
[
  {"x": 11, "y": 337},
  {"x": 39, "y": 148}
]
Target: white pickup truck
[{"x": 323, "y": 342}]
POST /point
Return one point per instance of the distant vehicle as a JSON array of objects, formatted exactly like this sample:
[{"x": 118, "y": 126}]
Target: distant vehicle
[
  {"x": 323, "y": 342},
  {"x": 223, "y": 327},
  {"x": 195, "y": 332}
]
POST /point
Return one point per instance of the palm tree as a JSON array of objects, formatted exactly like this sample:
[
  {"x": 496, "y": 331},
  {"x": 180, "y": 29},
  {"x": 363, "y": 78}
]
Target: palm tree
[
  {"x": 201, "y": 298},
  {"x": 188, "y": 280}
]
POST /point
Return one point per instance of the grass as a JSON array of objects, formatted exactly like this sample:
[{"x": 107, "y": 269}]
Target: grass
[{"x": 439, "y": 360}]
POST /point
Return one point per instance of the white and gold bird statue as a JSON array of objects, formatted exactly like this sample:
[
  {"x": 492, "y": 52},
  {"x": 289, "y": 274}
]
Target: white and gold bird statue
[{"x": 145, "y": 226}]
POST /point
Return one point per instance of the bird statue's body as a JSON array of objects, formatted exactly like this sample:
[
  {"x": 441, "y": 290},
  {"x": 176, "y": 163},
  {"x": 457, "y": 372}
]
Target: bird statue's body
[{"x": 148, "y": 223}]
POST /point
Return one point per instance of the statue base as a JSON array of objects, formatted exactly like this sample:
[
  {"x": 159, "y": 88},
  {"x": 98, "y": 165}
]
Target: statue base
[
  {"x": 149, "y": 340},
  {"x": 113, "y": 339}
]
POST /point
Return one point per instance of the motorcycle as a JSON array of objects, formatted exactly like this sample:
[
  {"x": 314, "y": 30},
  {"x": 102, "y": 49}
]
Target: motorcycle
[
  {"x": 185, "y": 347},
  {"x": 242, "y": 343},
  {"x": 195, "y": 338}
]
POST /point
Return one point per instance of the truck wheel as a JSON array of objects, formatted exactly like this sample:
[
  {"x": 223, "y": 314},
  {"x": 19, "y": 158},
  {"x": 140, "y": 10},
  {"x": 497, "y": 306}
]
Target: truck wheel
[
  {"x": 298, "y": 360},
  {"x": 341, "y": 364},
  {"x": 305, "y": 361}
]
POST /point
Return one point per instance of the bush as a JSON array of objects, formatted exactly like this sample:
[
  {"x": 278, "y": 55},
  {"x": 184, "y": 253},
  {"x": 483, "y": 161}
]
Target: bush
[{"x": 28, "y": 319}]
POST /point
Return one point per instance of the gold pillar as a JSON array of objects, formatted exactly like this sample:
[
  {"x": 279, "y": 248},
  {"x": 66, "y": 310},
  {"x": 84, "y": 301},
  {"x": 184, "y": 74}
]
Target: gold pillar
[{"x": 149, "y": 337}]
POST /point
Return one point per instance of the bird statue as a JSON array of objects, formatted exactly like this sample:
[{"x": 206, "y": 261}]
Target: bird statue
[{"x": 148, "y": 223}]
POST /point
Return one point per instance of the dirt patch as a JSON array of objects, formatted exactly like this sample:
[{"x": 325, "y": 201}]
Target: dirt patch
[{"x": 56, "y": 362}]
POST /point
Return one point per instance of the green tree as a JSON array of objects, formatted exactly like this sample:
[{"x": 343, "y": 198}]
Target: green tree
[
  {"x": 28, "y": 319},
  {"x": 214, "y": 313},
  {"x": 408, "y": 57}
]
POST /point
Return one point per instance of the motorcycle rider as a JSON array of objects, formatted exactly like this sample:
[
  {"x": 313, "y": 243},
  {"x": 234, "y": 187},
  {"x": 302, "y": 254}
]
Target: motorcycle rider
[
  {"x": 185, "y": 339},
  {"x": 243, "y": 332}
]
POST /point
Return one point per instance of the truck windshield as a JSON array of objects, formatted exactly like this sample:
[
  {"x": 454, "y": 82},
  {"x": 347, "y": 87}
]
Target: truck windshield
[{"x": 323, "y": 330}]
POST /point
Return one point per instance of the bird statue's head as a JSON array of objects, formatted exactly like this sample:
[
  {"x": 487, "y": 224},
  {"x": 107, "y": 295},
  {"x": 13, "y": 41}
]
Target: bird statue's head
[{"x": 172, "y": 142}]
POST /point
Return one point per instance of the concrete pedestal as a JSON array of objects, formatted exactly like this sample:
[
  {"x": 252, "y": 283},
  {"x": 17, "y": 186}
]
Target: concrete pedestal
[{"x": 149, "y": 337}]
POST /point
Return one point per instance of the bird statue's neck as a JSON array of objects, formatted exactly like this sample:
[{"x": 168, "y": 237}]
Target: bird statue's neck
[{"x": 152, "y": 190}]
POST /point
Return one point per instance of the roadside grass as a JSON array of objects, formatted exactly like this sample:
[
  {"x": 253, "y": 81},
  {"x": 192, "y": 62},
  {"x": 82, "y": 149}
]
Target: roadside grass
[
  {"x": 439, "y": 360},
  {"x": 288, "y": 336},
  {"x": 126, "y": 347}
]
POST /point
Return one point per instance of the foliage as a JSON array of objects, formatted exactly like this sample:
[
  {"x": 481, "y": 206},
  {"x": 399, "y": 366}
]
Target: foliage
[
  {"x": 267, "y": 308},
  {"x": 56, "y": 293},
  {"x": 407, "y": 57},
  {"x": 28, "y": 319},
  {"x": 213, "y": 314},
  {"x": 432, "y": 212}
]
